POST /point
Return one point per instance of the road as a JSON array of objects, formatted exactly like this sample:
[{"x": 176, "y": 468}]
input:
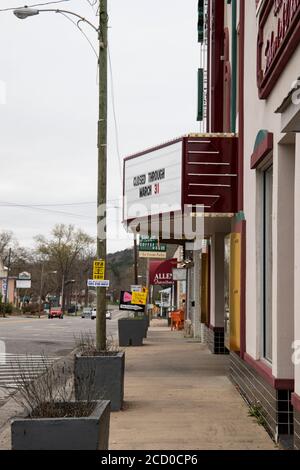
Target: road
[
  {"x": 27, "y": 341},
  {"x": 51, "y": 337}
]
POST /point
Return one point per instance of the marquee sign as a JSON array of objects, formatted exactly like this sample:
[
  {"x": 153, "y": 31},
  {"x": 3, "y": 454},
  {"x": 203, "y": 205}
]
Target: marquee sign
[
  {"x": 278, "y": 37},
  {"x": 152, "y": 182}
]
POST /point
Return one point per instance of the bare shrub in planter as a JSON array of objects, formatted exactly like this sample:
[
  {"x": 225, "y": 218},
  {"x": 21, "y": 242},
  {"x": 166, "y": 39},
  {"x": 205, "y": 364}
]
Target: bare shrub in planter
[
  {"x": 106, "y": 367},
  {"x": 54, "y": 421}
]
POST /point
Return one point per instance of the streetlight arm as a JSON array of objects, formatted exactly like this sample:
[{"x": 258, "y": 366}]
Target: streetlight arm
[{"x": 26, "y": 12}]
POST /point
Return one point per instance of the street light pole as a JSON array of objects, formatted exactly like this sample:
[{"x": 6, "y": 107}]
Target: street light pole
[
  {"x": 102, "y": 171},
  {"x": 27, "y": 12}
]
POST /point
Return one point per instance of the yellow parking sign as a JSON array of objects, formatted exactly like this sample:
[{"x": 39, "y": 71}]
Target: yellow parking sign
[{"x": 99, "y": 270}]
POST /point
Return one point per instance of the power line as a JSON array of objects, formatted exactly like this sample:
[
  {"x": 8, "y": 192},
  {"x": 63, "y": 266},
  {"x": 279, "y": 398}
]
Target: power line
[
  {"x": 114, "y": 112},
  {"x": 53, "y": 205},
  {"x": 84, "y": 34},
  {"x": 59, "y": 204},
  {"x": 36, "y": 5},
  {"x": 40, "y": 209},
  {"x": 92, "y": 4}
]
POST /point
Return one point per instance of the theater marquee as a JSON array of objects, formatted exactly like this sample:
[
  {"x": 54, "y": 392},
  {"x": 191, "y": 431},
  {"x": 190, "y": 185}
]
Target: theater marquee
[
  {"x": 152, "y": 182},
  {"x": 197, "y": 172},
  {"x": 278, "y": 38}
]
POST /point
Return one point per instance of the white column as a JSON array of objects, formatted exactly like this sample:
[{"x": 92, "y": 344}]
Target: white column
[
  {"x": 217, "y": 280},
  {"x": 283, "y": 261},
  {"x": 297, "y": 260}
]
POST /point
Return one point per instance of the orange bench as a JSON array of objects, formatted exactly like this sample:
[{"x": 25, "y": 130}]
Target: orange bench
[{"x": 177, "y": 320}]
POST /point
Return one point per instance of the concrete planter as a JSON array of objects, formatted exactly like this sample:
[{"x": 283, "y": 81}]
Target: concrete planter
[
  {"x": 86, "y": 433},
  {"x": 146, "y": 325},
  {"x": 131, "y": 331},
  {"x": 100, "y": 378}
]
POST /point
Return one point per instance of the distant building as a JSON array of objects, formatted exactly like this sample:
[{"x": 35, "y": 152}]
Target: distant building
[{"x": 11, "y": 294}]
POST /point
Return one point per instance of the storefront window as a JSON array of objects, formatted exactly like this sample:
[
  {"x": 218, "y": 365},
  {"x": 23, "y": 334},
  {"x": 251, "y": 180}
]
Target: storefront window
[{"x": 267, "y": 262}]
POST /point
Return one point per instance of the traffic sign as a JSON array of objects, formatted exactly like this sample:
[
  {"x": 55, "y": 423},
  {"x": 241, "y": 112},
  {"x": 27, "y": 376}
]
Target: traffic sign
[
  {"x": 99, "y": 270},
  {"x": 95, "y": 283}
]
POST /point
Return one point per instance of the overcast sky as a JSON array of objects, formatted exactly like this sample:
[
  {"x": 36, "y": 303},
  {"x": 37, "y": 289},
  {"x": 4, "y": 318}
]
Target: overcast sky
[{"x": 48, "y": 111}]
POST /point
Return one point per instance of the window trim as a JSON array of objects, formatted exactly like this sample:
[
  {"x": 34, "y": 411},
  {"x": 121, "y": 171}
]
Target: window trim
[{"x": 264, "y": 356}]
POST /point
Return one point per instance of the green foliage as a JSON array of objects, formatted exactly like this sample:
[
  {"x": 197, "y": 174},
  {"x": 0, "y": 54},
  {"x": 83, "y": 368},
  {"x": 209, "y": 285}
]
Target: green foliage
[
  {"x": 256, "y": 411},
  {"x": 31, "y": 308},
  {"x": 6, "y": 308}
]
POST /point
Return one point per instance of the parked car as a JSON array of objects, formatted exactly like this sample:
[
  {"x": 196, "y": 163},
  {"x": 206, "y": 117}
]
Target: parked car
[
  {"x": 86, "y": 312},
  {"x": 94, "y": 314},
  {"x": 72, "y": 309},
  {"x": 56, "y": 312}
]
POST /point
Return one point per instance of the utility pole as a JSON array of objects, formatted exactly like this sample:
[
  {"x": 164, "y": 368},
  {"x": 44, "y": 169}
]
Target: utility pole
[
  {"x": 7, "y": 276},
  {"x": 102, "y": 171}
]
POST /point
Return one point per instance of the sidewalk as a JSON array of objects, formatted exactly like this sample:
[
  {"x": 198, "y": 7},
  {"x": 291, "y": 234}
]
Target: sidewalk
[{"x": 178, "y": 397}]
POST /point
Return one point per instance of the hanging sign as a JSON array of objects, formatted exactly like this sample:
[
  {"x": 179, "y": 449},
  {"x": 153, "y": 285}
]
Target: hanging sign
[
  {"x": 161, "y": 273},
  {"x": 152, "y": 248},
  {"x": 126, "y": 303},
  {"x": 99, "y": 270},
  {"x": 93, "y": 283}
]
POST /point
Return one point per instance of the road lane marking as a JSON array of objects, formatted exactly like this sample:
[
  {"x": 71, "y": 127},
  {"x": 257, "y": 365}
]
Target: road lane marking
[{"x": 15, "y": 366}]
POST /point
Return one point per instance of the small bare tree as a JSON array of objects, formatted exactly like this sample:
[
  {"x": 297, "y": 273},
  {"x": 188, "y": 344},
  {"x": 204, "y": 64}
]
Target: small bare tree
[{"x": 50, "y": 395}]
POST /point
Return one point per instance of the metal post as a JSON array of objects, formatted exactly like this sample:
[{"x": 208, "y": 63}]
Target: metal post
[
  {"x": 136, "y": 274},
  {"x": 102, "y": 171},
  {"x": 41, "y": 290},
  {"x": 7, "y": 276},
  {"x": 63, "y": 293}
]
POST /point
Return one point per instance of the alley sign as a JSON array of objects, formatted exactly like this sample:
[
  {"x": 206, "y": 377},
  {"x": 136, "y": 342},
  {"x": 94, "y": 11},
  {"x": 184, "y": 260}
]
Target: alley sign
[
  {"x": 99, "y": 270},
  {"x": 151, "y": 248},
  {"x": 161, "y": 273},
  {"x": 93, "y": 283}
]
